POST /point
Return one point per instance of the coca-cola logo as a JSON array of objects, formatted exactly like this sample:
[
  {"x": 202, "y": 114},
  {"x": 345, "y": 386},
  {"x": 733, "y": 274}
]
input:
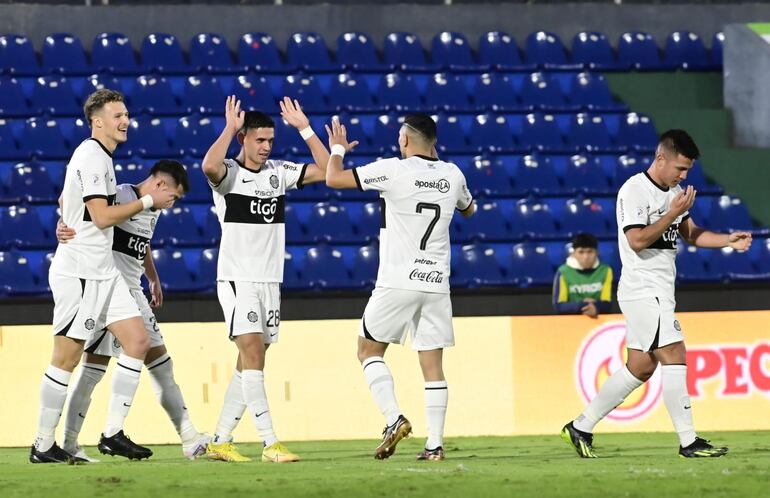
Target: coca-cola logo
[
  {"x": 265, "y": 207},
  {"x": 430, "y": 277}
]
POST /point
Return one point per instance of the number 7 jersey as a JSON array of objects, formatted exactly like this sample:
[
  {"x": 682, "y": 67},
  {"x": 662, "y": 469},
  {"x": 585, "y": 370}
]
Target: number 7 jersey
[{"x": 419, "y": 196}]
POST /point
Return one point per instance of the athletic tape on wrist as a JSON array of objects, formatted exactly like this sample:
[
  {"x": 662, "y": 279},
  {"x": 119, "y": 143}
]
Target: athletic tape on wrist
[
  {"x": 147, "y": 201},
  {"x": 338, "y": 150},
  {"x": 306, "y": 133}
]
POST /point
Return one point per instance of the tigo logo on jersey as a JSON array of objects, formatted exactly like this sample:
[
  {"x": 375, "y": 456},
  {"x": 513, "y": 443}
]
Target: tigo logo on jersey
[
  {"x": 604, "y": 353},
  {"x": 440, "y": 185}
]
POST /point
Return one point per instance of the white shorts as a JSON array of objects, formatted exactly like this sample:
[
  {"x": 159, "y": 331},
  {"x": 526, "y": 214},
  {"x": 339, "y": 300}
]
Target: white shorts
[
  {"x": 82, "y": 308},
  {"x": 391, "y": 313},
  {"x": 251, "y": 308},
  {"x": 106, "y": 344},
  {"x": 650, "y": 323}
]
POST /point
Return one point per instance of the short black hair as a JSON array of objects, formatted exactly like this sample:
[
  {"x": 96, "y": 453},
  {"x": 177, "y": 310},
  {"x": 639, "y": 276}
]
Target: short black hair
[
  {"x": 586, "y": 240},
  {"x": 423, "y": 124},
  {"x": 175, "y": 170},
  {"x": 679, "y": 142},
  {"x": 256, "y": 119}
]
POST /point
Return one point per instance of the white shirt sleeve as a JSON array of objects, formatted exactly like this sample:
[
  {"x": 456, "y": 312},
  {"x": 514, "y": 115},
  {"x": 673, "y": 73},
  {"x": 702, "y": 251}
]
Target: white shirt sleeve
[
  {"x": 293, "y": 174},
  {"x": 378, "y": 175},
  {"x": 464, "y": 197},
  {"x": 633, "y": 208},
  {"x": 226, "y": 184},
  {"x": 93, "y": 173}
]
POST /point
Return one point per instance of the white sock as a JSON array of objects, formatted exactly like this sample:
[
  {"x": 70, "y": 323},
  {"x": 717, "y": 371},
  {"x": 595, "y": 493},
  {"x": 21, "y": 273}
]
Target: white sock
[
  {"x": 256, "y": 399},
  {"x": 53, "y": 394},
  {"x": 125, "y": 380},
  {"x": 381, "y": 385},
  {"x": 80, "y": 400},
  {"x": 170, "y": 396},
  {"x": 613, "y": 392},
  {"x": 674, "y": 379},
  {"x": 232, "y": 409},
  {"x": 436, "y": 398}
]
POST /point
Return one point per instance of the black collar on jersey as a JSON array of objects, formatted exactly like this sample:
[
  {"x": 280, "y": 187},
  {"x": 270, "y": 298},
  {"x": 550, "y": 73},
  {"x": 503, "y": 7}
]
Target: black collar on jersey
[
  {"x": 244, "y": 166},
  {"x": 654, "y": 182},
  {"x": 106, "y": 151},
  {"x": 427, "y": 158}
]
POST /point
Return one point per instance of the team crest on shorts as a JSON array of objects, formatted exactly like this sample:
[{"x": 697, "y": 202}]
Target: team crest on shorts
[
  {"x": 90, "y": 324},
  {"x": 677, "y": 326},
  {"x": 274, "y": 181},
  {"x": 116, "y": 343},
  {"x": 252, "y": 316}
]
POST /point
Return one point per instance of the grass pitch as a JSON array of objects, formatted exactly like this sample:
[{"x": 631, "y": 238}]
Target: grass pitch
[{"x": 634, "y": 465}]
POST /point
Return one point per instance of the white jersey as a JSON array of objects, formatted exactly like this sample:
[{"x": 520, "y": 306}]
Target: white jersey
[
  {"x": 250, "y": 207},
  {"x": 89, "y": 176},
  {"x": 131, "y": 240},
  {"x": 419, "y": 196},
  {"x": 650, "y": 272}
]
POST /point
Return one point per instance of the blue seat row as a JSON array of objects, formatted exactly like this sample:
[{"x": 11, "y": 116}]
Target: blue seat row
[{"x": 162, "y": 52}]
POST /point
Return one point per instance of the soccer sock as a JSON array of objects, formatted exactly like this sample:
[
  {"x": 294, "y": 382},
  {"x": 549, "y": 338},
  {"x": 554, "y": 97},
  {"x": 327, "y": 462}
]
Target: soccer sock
[
  {"x": 613, "y": 392},
  {"x": 170, "y": 396},
  {"x": 80, "y": 400},
  {"x": 436, "y": 398},
  {"x": 674, "y": 378},
  {"x": 381, "y": 385},
  {"x": 232, "y": 410},
  {"x": 256, "y": 399},
  {"x": 53, "y": 394},
  {"x": 125, "y": 380}
]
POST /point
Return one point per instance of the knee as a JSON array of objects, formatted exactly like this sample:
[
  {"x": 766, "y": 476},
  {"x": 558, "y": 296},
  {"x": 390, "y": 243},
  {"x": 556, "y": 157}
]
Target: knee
[
  {"x": 138, "y": 347},
  {"x": 643, "y": 373}
]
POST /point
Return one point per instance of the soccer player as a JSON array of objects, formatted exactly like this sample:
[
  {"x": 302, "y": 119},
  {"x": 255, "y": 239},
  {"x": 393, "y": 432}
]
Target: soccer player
[
  {"x": 652, "y": 211},
  {"x": 89, "y": 293},
  {"x": 419, "y": 194},
  {"x": 583, "y": 285},
  {"x": 133, "y": 257},
  {"x": 249, "y": 195}
]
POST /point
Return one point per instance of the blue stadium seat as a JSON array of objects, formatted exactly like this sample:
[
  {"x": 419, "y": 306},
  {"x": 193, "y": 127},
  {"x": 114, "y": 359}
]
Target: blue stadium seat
[
  {"x": 349, "y": 92},
  {"x": 114, "y": 53},
  {"x": 255, "y": 93},
  {"x": 16, "y": 276},
  {"x": 500, "y": 50},
  {"x": 17, "y": 56},
  {"x": 691, "y": 265},
  {"x": 212, "y": 230},
  {"x": 366, "y": 266},
  {"x": 761, "y": 249},
  {"x": 731, "y": 265},
  {"x": 546, "y": 50},
  {"x": 161, "y": 52},
  {"x": 355, "y": 131},
  {"x": 291, "y": 274},
  {"x": 491, "y": 133},
  {"x": 194, "y": 135},
  {"x": 589, "y": 133},
  {"x": 584, "y": 215},
  {"x": 203, "y": 94},
  {"x": 9, "y": 149},
  {"x": 295, "y": 228},
  {"x": 532, "y": 219},
  {"x": 535, "y": 175},
  {"x": 447, "y": 92},
  {"x": 76, "y": 131},
  {"x": 451, "y": 51},
  {"x": 404, "y": 50},
  {"x": 385, "y": 136},
  {"x": 132, "y": 172},
  {"x": 207, "y": 268},
  {"x": 22, "y": 228},
  {"x": 540, "y": 132},
  {"x": 398, "y": 92},
  {"x": 488, "y": 178},
  {"x": 307, "y": 91},
  {"x": 697, "y": 179},
  {"x": 42, "y": 138},
  {"x": 12, "y": 101},
  {"x": 177, "y": 227},
  {"x": 153, "y": 95},
  {"x": 451, "y": 136},
  {"x": 541, "y": 90},
  {"x": 729, "y": 213},
  {"x": 54, "y": 95},
  {"x": 98, "y": 81},
  {"x": 356, "y": 52},
  {"x": 63, "y": 53},
  {"x": 31, "y": 183},
  {"x": 639, "y": 50},
  {"x": 717, "y": 49},
  {"x": 258, "y": 52},
  {"x": 530, "y": 265},
  {"x": 210, "y": 52},
  {"x": 590, "y": 91},
  {"x": 479, "y": 266},
  {"x": 685, "y": 50},
  {"x": 370, "y": 221},
  {"x": 287, "y": 139},
  {"x": 496, "y": 92},
  {"x": 585, "y": 174},
  {"x": 199, "y": 192},
  {"x": 488, "y": 224},
  {"x": 331, "y": 223},
  {"x": 148, "y": 138},
  {"x": 325, "y": 269},
  {"x": 628, "y": 165},
  {"x": 593, "y": 50},
  {"x": 177, "y": 277},
  {"x": 637, "y": 132},
  {"x": 309, "y": 52}
]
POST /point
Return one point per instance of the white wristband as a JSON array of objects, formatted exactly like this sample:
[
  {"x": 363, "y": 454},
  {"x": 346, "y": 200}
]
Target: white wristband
[
  {"x": 147, "y": 201},
  {"x": 306, "y": 133},
  {"x": 338, "y": 150}
]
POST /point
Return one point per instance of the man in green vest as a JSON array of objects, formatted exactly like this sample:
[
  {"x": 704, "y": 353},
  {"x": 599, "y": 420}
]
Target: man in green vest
[{"x": 583, "y": 285}]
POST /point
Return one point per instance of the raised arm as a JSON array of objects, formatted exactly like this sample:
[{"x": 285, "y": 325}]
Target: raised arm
[
  {"x": 214, "y": 162},
  {"x": 640, "y": 238},
  {"x": 293, "y": 114},
  {"x": 336, "y": 175},
  {"x": 701, "y": 237}
]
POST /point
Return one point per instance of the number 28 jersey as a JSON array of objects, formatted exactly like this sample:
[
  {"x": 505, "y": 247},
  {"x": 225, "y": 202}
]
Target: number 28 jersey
[{"x": 419, "y": 195}]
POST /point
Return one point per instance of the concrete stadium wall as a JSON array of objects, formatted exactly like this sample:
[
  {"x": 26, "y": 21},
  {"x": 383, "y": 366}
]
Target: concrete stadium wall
[{"x": 36, "y": 21}]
